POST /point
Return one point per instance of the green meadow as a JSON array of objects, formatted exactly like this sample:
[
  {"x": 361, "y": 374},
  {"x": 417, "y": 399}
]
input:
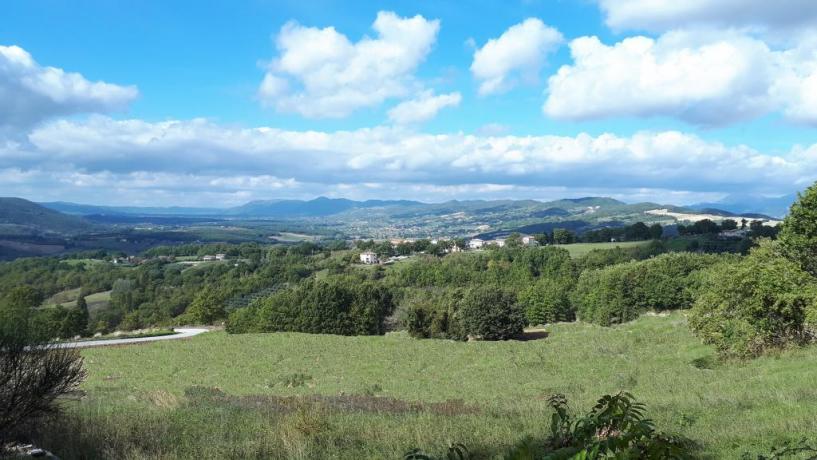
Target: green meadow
[
  {"x": 290, "y": 395},
  {"x": 580, "y": 249}
]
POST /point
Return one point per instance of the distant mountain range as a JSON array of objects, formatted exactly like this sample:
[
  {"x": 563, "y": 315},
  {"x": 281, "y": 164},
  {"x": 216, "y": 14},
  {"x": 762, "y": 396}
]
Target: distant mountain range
[
  {"x": 367, "y": 219},
  {"x": 742, "y": 204},
  {"x": 283, "y": 209},
  {"x": 23, "y": 217},
  {"x": 324, "y": 207}
]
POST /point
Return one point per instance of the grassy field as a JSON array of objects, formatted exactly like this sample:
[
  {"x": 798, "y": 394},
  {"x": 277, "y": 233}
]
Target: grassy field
[
  {"x": 580, "y": 249},
  {"x": 311, "y": 396},
  {"x": 68, "y": 298}
]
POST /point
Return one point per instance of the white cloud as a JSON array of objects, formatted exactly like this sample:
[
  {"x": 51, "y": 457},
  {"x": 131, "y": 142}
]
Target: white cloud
[
  {"x": 31, "y": 93},
  {"x": 320, "y": 73},
  {"x": 661, "y": 15},
  {"x": 705, "y": 78},
  {"x": 518, "y": 54},
  {"x": 198, "y": 155},
  {"x": 422, "y": 108}
]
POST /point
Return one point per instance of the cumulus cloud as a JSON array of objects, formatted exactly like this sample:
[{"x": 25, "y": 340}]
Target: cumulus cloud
[
  {"x": 661, "y": 15},
  {"x": 320, "y": 73},
  {"x": 714, "y": 81},
  {"x": 201, "y": 155},
  {"x": 705, "y": 78},
  {"x": 518, "y": 54},
  {"x": 31, "y": 93},
  {"x": 422, "y": 108}
]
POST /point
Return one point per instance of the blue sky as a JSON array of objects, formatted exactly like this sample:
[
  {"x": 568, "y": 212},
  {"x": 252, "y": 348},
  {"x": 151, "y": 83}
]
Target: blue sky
[{"x": 217, "y": 103}]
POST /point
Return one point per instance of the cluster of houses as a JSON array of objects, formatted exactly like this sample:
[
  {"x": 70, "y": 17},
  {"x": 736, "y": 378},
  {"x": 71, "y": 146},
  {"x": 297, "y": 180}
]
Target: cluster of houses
[
  {"x": 476, "y": 243},
  {"x": 370, "y": 257},
  {"x": 136, "y": 260}
]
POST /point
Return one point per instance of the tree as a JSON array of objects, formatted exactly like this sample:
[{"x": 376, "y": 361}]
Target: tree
[
  {"x": 514, "y": 240},
  {"x": 637, "y": 232},
  {"x": 84, "y": 315},
  {"x": 656, "y": 231},
  {"x": 760, "y": 303},
  {"x": 33, "y": 373},
  {"x": 542, "y": 238},
  {"x": 563, "y": 236},
  {"x": 548, "y": 300},
  {"x": 798, "y": 236},
  {"x": 729, "y": 224},
  {"x": 208, "y": 306},
  {"x": 491, "y": 313}
]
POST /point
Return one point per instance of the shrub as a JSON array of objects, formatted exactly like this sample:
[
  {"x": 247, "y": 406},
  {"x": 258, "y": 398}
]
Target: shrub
[
  {"x": 600, "y": 296},
  {"x": 622, "y": 292},
  {"x": 760, "y": 303},
  {"x": 798, "y": 237},
  {"x": 33, "y": 373},
  {"x": 333, "y": 306},
  {"x": 433, "y": 314},
  {"x": 491, "y": 313},
  {"x": 548, "y": 301}
]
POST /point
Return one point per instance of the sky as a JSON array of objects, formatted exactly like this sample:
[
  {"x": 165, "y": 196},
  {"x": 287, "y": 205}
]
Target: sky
[{"x": 219, "y": 103}]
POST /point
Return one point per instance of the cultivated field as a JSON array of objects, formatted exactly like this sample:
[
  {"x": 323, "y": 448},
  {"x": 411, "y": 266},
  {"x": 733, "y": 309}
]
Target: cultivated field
[{"x": 304, "y": 396}]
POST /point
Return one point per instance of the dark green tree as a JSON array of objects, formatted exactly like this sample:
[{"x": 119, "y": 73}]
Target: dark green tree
[
  {"x": 491, "y": 313},
  {"x": 729, "y": 224},
  {"x": 563, "y": 236},
  {"x": 798, "y": 236},
  {"x": 656, "y": 231}
]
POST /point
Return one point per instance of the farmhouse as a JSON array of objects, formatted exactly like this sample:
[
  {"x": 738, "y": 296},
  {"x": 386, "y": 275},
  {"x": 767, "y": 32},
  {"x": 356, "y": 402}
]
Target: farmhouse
[
  {"x": 208, "y": 258},
  {"x": 476, "y": 243},
  {"x": 500, "y": 242},
  {"x": 221, "y": 256},
  {"x": 528, "y": 240},
  {"x": 368, "y": 258}
]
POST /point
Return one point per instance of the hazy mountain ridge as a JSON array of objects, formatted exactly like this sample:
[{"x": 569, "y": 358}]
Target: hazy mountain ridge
[
  {"x": 389, "y": 218},
  {"x": 751, "y": 204},
  {"x": 20, "y": 216}
]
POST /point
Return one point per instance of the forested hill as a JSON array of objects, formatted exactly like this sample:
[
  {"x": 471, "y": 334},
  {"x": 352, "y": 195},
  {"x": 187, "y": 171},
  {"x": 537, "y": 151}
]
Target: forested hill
[{"x": 23, "y": 217}]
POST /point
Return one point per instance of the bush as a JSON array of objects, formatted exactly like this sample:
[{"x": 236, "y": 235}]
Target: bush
[
  {"x": 333, "y": 306},
  {"x": 548, "y": 301},
  {"x": 765, "y": 301},
  {"x": 798, "y": 237},
  {"x": 432, "y": 314},
  {"x": 491, "y": 313},
  {"x": 623, "y": 292},
  {"x": 33, "y": 373}
]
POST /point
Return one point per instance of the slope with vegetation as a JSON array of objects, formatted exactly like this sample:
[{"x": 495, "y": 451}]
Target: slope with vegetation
[{"x": 692, "y": 366}]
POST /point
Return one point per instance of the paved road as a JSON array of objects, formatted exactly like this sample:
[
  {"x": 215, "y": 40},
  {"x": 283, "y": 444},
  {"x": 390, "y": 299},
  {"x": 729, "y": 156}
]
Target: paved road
[{"x": 182, "y": 333}]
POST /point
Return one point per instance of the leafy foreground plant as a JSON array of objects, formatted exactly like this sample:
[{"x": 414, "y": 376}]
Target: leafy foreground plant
[{"x": 616, "y": 428}]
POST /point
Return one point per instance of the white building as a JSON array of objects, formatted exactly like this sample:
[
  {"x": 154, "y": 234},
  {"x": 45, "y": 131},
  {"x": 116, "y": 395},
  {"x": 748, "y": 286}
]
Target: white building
[
  {"x": 500, "y": 242},
  {"x": 208, "y": 258},
  {"x": 476, "y": 243},
  {"x": 369, "y": 258},
  {"x": 528, "y": 240},
  {"x": 221, "y": 256}
]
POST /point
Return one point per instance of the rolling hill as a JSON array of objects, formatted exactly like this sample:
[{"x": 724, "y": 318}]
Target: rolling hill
[
  {"x": 389, "y": 218},
  {"x": 23, "y": 217}
]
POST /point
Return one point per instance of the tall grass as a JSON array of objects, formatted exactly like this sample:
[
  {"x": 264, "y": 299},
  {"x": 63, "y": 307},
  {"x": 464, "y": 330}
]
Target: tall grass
[{"x": 316, "y": 396}]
